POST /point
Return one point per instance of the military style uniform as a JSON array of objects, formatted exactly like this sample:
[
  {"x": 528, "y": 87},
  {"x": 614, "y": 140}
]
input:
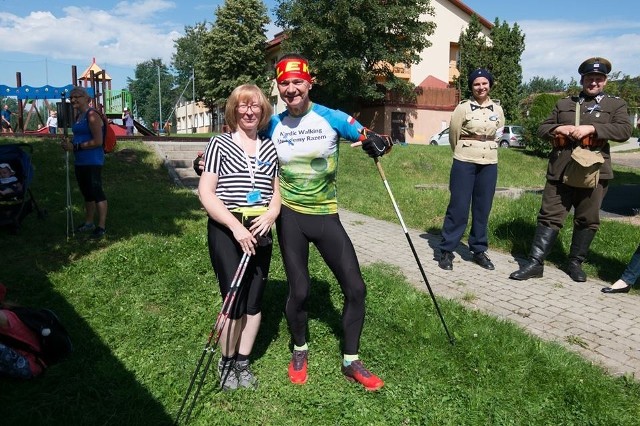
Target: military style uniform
[
  {"x": 474, "y": 173},
  {"x": 610, "y": 118},
  {"x": 472, "y": 131}
]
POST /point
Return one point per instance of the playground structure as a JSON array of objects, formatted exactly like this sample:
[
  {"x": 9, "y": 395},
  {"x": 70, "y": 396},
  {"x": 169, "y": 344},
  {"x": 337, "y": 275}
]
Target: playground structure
[{"x": 97, "y": 83}]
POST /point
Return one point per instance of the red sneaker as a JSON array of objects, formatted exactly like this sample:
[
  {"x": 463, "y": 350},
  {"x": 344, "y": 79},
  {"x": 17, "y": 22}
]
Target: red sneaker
[
  {"x": 356, "y": 372},
  {"x": 298, "y": 367}
]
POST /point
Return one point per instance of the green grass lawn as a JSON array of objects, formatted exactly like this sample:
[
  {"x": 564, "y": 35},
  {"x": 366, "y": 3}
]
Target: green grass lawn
[
  {"x": 140, "y": 304},
  {"x": 419, "y": 176}
]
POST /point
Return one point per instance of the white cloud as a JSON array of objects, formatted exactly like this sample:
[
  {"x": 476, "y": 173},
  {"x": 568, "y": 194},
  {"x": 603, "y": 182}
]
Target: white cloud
[
  {"x": 556, "y": 48},
  {"x": 80, "y": 33},
  {"x": 142, "y": 11}
]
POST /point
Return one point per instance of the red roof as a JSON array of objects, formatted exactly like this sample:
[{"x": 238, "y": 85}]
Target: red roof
[{"x": 432, "y": 82}]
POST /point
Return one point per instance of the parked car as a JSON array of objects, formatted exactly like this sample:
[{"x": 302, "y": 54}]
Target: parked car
[
  {"x": 441, "y": 138},
  {"x": 510, "y": 136}
]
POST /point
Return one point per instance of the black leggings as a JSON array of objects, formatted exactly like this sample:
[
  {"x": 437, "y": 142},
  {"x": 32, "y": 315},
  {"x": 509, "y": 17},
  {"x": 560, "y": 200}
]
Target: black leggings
[
  {"x": 225, "y": 254},
  {"x": 295, "y": 232},
  {"x": 89, "y": 180}
]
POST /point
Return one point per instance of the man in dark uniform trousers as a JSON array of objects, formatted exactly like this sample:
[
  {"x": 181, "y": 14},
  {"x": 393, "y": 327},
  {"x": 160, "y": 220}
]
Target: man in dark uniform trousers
[{"x": 601, "y": 118}]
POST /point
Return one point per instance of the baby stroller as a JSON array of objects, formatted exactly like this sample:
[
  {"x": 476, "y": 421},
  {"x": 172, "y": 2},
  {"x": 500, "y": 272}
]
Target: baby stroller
[{"x": 17, "y": 204}]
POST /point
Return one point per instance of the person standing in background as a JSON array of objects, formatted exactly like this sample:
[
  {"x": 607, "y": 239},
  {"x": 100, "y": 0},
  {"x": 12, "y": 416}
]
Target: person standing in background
[
  {"x": 5, "y": 115},
  {"x": 127, "y": 120},
  {"x": 628, "y": 278},
  {"x": 88, "y": 137},
  {"x": 52, "y": 123},
  {"x": 589, "y": 121},
  {"x": 474, "y": 172}
]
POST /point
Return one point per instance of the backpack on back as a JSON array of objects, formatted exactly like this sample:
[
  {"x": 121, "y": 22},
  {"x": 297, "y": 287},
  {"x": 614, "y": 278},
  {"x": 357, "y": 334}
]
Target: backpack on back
[
  {"x": 55, "y": 343},
  {"x": 108, "y": 135},
  {"x": 108, "y": 139}
]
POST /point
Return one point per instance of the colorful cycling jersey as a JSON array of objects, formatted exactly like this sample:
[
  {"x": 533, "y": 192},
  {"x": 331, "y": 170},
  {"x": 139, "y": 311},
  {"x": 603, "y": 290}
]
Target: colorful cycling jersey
[{"x": 307, "y": 148}]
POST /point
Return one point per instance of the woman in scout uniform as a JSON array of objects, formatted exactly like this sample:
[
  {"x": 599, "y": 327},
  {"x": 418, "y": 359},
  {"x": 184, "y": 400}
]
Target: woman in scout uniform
[{"x": 474, "y": 171}]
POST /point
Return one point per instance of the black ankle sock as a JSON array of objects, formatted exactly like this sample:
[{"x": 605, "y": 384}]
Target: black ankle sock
[
  {"x": 241, "y": 357},
  {"x": 226, "y": 358}
]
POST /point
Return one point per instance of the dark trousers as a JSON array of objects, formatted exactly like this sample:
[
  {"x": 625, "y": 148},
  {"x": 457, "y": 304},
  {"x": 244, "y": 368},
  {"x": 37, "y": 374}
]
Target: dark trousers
[
  {"x": 295, "y": 232},
  {"x": 471, "y": 185},
  {"x": 225, "y": 255},
  {"x": 558, "y": 199}
]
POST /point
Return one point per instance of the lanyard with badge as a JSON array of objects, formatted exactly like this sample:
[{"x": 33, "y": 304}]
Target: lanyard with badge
[{"x": 254, "y": 196}]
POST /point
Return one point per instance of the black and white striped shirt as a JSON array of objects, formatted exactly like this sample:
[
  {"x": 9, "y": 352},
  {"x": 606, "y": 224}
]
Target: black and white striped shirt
[{"x": 226, "y": 159}]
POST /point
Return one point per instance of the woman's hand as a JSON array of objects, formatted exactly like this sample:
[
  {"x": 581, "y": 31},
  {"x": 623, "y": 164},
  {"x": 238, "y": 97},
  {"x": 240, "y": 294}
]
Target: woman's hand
[
  {"x": 263, "y": 223},
  {"x": 66, "y": 145},
  {"x": 245, "y": 238}
]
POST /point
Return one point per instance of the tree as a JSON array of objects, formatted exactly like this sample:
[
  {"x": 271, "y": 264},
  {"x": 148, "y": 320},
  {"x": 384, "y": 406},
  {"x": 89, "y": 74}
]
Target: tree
[
  {"x": 145, "y": 91},
  {"x": 187, "y": 56},
  {"x": 473, "y": 54},
  {"x": 501, "y": 57},
  {"x": 543, "y": 85},
  {"x": 538, "y": 109},
  {"x": 233, "y": 52},
  {"x": 352, "y": 45},
  {"x": 507, "y": 45},
  {"x": 626, "y": 87}
]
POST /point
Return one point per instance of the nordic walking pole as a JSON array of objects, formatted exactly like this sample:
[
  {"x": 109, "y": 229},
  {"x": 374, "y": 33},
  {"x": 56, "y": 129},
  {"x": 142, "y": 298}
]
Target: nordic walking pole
[
  {"x": 69, "y": 204},
  {"x": 216, "y": 331},
  {"x": 413, "y": 250}
]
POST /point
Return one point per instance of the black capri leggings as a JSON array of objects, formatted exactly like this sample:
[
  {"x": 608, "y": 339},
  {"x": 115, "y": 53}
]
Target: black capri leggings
[
  {"x": 295, "y": 232},
  {"x": 225, "y": 254},
  {"x": 89, "y": 180}
]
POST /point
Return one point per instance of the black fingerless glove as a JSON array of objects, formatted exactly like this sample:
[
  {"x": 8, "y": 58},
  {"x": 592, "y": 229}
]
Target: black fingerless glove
[
  {"x": 376, "y": 145},
  {"x": 196, "y": 165}
]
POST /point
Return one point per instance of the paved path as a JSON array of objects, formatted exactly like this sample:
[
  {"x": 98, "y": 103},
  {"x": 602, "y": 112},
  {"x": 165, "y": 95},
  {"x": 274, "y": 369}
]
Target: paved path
[{"x": 603, "y": 328}]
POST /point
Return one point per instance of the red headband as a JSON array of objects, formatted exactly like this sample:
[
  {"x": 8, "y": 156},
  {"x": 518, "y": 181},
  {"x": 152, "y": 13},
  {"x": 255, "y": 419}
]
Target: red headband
[{"x": 292, "y": 68}]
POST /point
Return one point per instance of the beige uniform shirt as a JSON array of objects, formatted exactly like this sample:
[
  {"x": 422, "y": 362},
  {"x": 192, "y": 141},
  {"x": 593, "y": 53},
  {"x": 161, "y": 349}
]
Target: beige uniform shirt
[{"x": 472, "y": 131}]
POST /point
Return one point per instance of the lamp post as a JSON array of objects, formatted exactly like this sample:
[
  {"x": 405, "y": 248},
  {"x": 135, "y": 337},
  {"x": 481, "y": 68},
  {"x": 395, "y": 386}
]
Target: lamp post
[
  {"x": 193, "y": 100},
  {"x": 159, "y": 102}
]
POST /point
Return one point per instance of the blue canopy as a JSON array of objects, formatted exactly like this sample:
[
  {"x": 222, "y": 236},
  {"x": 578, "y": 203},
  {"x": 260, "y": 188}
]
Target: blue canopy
[{"x": 44, "y": 92}]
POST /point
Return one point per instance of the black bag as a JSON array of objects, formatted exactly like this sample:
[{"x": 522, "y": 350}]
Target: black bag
[{"x": 55, "y": 342}]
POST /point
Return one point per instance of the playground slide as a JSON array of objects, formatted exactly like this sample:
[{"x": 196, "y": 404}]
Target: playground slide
[
  {"x": 42, "y": 130},
  {"x": 118, "y": 129},
  {"x": 142, "y": 129}
]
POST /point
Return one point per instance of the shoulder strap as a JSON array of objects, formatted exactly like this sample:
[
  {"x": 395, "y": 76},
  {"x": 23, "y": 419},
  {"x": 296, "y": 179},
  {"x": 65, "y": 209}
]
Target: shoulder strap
[{"x": 104, "y": 121}]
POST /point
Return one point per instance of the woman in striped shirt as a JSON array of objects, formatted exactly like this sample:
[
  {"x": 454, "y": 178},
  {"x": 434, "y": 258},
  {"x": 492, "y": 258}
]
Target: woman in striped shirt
[{"x": 239, "y": 189}]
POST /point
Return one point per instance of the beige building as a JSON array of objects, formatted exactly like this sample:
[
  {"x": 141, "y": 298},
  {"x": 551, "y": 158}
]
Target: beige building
[
  {"x": 434, "y": 76},
  {"x": 193, "y": 118},
  {"x": 405, "y": 122}
]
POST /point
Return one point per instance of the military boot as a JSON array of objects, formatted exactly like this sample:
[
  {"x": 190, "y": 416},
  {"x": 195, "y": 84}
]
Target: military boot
[
  {"x": 540, "y": 247},
  {"x": 580, "y": 242}
]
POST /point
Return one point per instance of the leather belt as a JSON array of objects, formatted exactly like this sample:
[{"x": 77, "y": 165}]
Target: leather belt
[
  {"x": 561, "y": 142},
  {"x": 481, "y": 138}
]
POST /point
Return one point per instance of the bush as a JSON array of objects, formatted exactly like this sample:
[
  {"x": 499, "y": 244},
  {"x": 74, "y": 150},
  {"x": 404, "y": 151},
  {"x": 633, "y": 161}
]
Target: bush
[{"x": 539, "y": 109}]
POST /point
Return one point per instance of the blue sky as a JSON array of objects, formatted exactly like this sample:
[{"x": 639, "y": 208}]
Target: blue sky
[{"x": 43, "y": 39}]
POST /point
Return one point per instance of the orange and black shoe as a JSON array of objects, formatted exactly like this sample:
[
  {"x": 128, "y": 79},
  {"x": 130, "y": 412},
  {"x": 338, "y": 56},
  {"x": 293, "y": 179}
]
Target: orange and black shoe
[
  {"x": 298, "y": 367},
  {"x": 355, "y": 372}
]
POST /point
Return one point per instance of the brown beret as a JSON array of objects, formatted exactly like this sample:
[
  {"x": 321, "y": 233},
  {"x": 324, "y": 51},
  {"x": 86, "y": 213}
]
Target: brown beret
[{"x": 595, "y": 65}]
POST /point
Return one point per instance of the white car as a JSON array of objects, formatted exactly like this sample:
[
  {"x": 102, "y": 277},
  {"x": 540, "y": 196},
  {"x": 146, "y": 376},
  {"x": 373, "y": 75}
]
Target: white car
[{"x": 441, "y": 138}]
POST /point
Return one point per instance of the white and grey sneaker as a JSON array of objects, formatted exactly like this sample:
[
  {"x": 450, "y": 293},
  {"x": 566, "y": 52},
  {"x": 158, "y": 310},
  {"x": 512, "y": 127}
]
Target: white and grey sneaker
[
  {"x": 246, "y": 379},
  {"x": 227, "y": 375}
]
